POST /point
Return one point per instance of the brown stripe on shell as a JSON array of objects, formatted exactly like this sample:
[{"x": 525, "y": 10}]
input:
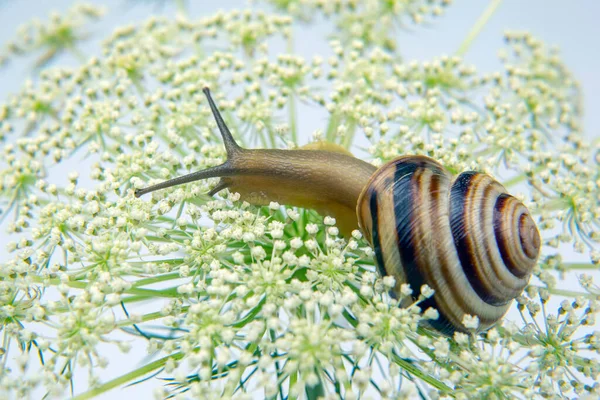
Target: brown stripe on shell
[
  {"x": 509, "y": 214},
  {"x": 504, "y": 284},
  {"x": 375, "y": 210},
  {"x": 389, "y": 235},
  {"x": 425, "y": 214},
  {"x": 453, "y": 292},
  {"x": 479, "y": 252},
  {"x": 363, "y": 211},
  {"x": 462, "y": 214},
  {"x": 530, "y": 236},
  {"x": 406, "y": 202},
  {"x": 373, "y": 206},
  {"x": 422, "y": 245}
]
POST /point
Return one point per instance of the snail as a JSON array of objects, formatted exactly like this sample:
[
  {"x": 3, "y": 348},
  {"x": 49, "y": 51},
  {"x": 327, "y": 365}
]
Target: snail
[{"x": 465, "y": 237}]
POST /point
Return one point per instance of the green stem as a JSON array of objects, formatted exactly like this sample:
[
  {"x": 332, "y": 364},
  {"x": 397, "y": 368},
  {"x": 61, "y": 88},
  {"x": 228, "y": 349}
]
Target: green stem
[
  {"x": 521, "y": 177},
  {"x": 271, "y": 133},
  {"x": 169, "y": 292},
  {"x": 515, "y": 180},
  {"x": 157, "y": 279},
  {"x": 349, "y": 138},
  {"x": 334, "y": 122},
  {"x": 169, "y": 239},
  {"x": 293, "y": 119},
  {"x": 78, "y": 54},
  {"x": 556, "y": 204},
  {"x": 478, "y": 27},
  {"x": 569, "y": 293},
  {"x": 293, "y": 380},
  {"x": 580, "y": 266},
  {"x": 181, "y": 8},
  {"x": 413, "y": 370},
  {"x": 138, "y": 86},
  {"x": 150, "y": 317},
  {"x": 146, "y": 369}
]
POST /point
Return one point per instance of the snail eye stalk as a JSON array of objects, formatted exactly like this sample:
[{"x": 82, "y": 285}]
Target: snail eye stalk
[{"x": 219, "y": 171}]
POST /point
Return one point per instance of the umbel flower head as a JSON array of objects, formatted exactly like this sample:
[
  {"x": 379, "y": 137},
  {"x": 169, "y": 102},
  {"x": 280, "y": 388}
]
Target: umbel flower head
[
  {"x": 235, "y": 300},
  {"x": 60, "y": 34}
]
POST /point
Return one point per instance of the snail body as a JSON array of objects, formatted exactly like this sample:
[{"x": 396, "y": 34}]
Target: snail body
[{"x": 465, "y": 237}]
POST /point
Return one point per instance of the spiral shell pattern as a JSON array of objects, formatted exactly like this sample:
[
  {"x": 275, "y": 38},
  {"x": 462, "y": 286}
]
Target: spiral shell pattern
[{"x": 466, "y": 238}]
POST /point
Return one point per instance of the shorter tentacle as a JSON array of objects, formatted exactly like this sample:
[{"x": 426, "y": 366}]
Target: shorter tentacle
[{"x": 213, "y": 172}]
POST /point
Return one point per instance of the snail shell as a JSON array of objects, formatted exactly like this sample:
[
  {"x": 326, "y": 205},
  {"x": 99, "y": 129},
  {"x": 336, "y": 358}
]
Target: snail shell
[{"x": 467, "y": 239}]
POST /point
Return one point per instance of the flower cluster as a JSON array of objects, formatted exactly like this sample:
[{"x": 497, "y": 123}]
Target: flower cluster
[
  {"x": 244, "y": 300},
  {"x": 60, "y": 34},
  {"x": 373, "y": 22}
]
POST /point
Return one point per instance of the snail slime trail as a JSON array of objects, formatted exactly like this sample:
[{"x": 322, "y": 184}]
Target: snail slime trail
[{"x": 465, "y": 236}]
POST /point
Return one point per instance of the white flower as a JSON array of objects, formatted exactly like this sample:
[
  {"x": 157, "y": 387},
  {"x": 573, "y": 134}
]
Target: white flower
[
  {"x": 329, "y": 221},
  {"x": 426, "y": 291},
  {"x": 470, "y": 321},
  {"x": 431, "y": 313},
  {"x": 312, "y": 228}
]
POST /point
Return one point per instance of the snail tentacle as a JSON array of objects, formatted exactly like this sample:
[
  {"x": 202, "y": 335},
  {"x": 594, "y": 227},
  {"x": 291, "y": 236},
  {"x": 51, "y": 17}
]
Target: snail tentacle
[
  {"x": 212, "y": 172},
  {"x": 231, "y": 146}
]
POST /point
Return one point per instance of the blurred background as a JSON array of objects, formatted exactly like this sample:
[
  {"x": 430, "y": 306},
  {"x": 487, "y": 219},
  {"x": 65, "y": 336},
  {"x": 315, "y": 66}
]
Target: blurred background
[{"x": 572, "y": 26}]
